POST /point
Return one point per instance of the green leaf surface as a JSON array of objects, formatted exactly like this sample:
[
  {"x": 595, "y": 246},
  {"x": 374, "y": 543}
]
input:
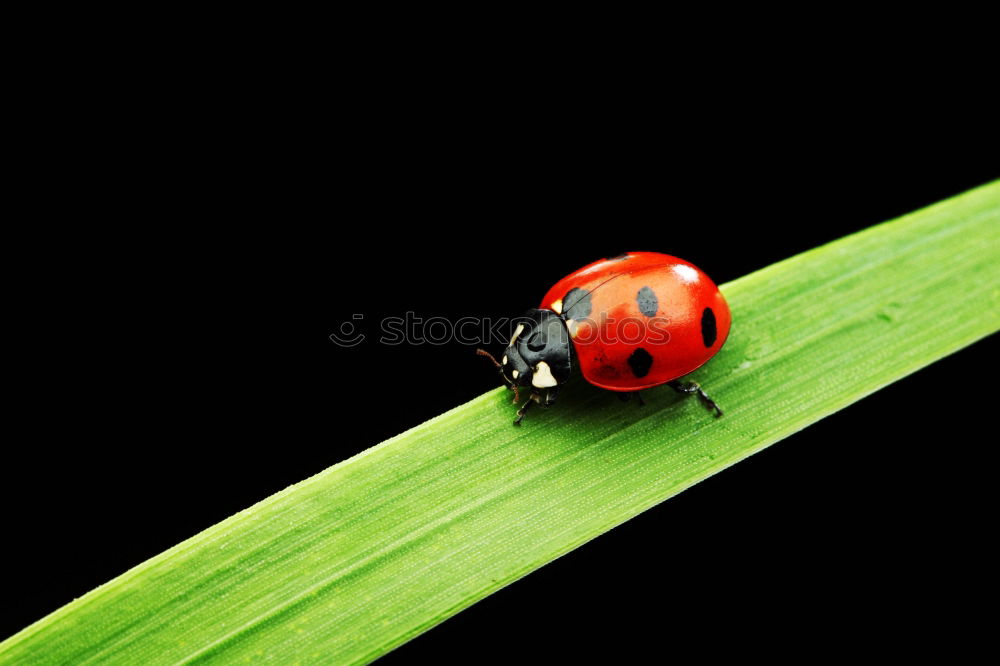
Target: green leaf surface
[{"x": 356, "y": 560}]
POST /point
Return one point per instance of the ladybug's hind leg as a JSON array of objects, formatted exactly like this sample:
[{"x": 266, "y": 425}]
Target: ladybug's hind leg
[{"x": 688, "y": 388}]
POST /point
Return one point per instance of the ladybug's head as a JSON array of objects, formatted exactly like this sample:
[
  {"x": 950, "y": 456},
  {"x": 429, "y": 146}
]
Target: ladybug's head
[{"x": 539, "y": 351}]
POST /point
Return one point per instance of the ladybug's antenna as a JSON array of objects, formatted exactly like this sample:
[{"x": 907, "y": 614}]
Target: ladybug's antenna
[{"x": 483, "y": 352}]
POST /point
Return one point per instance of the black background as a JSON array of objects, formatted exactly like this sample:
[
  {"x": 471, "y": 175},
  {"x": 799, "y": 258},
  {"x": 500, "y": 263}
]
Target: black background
[{"x": 178, "y": 366}]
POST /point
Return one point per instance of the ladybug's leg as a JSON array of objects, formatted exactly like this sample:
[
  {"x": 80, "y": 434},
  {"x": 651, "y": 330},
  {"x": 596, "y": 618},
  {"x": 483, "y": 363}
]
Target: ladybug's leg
[
  {"x": 533, "y": 398},
  {"x": 693, "y": 387},
  {"x": 626, "y": 396},
  {"x": 524, "y": 410},
  {"x": 550, "y": 396}
]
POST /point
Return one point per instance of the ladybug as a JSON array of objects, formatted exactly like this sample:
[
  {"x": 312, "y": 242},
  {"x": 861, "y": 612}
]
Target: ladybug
[{"x": 630, "y": 323}]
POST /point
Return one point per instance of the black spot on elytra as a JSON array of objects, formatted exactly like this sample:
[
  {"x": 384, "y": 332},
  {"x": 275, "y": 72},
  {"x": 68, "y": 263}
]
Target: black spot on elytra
[
  {"x": 640, "y": 361},
  {"x": 709, "y": 330},
  {"x": 576, "y": 304},
  {"x": 648, "y": 303}
]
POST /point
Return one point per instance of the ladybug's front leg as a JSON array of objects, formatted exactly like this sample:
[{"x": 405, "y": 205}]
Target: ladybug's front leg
[
  {"x": 524, "y": 408},
  {"x": 693, "y": 387},
  {"x": 550, "y": 397}
]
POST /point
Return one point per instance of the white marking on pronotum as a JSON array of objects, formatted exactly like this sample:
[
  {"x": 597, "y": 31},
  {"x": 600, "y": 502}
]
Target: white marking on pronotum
[
  {"x": 686, "y": 273},
  {"x": 542, "y": 378},
  {"x": 557, "y": 306},
  {"x": 517, "y": 332},
  {"x": 504, "y": 360},
  {"x": 572, "y": 327},
  {"x": 515, "y": 374}
]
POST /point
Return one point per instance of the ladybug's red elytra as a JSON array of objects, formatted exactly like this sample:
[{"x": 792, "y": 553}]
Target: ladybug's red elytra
[{"x": 630, "y": 322}]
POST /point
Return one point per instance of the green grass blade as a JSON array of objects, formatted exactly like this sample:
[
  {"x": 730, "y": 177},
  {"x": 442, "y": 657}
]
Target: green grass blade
[{"x": 373, "y": 551}]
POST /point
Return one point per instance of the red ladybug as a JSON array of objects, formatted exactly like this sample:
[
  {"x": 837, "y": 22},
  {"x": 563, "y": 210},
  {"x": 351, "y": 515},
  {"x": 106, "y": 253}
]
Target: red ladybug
[{"x": 634, "y": 321}]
